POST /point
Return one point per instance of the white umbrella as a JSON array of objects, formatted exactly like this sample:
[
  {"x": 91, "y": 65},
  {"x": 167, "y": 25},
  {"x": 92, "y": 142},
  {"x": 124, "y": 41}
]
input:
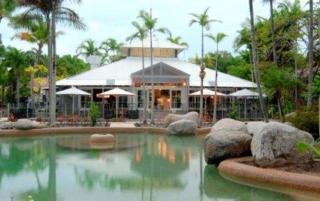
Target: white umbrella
[
  {"x": 207, "y": 92},
  {"x": 116, "y": 92},
  {"x": 73, "y": 91},
  {"x": 246, "y": 93}
]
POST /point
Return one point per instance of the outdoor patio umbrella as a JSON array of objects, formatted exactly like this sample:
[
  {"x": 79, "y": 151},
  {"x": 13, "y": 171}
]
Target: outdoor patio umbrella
[
  {"x": 73, "y": 91},
  {"x": 207, "y": 93},
  {"x": 116, "y": 92},
  {"x": 245, "y": 93}
]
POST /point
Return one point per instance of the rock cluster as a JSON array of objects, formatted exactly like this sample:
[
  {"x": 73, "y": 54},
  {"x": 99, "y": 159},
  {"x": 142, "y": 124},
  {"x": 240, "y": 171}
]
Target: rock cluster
[
  {"x": 182, "y": 124},
  {"x": 270, "y": 144},
  {"x": 26, "y": 124}
]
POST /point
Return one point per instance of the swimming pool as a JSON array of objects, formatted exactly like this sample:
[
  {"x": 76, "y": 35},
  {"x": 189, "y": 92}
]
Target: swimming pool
[{"x": 139, "y": 167}]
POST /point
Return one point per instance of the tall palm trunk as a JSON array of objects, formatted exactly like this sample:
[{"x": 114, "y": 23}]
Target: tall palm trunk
[
  {"x": 202, "y": 75},
  {"x": 152, "y": 75},
  {"x": 145, "y": 100},
  {"x": 274, "y": 53},
  {"x": 310, "y": 50},
  {"x": 255, "y": 61},
  {"x": 216, "y": 87},
  {"x": 51, "y": 71},
  {"x": 18, "y": 91}
]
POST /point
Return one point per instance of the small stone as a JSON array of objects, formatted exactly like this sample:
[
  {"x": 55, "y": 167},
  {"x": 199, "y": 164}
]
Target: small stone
[{"x": 102, "y": 138}]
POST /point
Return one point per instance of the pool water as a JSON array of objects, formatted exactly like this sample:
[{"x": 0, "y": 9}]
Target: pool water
[{"x": 138, "y": 168}]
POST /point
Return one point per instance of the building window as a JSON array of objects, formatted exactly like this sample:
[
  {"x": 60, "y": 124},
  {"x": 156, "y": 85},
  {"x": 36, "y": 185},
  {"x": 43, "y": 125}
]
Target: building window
[
  {"x": 176, "y": 99},
  {"x": 140, "y": 98},
  {"x": 194, "y": 101}
]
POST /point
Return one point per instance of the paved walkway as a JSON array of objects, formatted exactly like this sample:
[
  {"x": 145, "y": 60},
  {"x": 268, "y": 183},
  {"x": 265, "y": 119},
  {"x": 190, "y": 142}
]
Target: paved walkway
[{"x": 122, "y": 124}]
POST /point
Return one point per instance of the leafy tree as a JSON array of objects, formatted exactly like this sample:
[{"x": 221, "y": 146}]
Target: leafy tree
[
  {"x": 217, "y": 39},
  {"x": 278, "y": 83},
  {"x": 6, "y": 8},
  {"x": 68, "y": 65},
  {"x": 141, "y": 34},
  {"x": 51, "y": 12},
  {"x": 204, "y": 21},
  {"x": 112, "y": 50},
  {"x": 88, "y": 48},
  {"x": 255, "y": 60},
  {"x": 151, "y": 24},
  {"x": 176, "y": 40}
]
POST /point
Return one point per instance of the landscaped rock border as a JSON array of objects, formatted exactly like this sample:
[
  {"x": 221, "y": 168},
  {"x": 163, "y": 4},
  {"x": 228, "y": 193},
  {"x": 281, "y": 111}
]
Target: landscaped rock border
[
  {"x": 303, "y": 186},
  {"x": 89, "y": 130}
]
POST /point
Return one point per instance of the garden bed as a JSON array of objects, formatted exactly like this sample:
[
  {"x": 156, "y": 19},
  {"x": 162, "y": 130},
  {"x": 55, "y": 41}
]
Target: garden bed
[{"x": 298, "y": 180}]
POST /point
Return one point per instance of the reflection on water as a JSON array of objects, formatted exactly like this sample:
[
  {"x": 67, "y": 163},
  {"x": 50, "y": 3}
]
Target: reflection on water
[{"x": 149, "y": 167}]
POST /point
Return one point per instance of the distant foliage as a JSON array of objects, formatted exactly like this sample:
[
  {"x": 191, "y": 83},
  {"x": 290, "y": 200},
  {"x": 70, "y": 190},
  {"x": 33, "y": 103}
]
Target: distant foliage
[
  {"x": 306, "y": 120},
  {"x": 69, "y": 65}
]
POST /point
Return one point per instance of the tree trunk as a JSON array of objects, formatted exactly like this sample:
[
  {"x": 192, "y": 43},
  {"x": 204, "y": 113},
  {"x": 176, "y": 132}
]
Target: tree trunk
[
  {"x": 255, "y": 63},
  {"x": 18, "y": 92},
  {"x": 152, "y": 75},
  {"x": 274, "y": 53},
  {"x": 216, "y": 86},
  {"x": 281, "y": 113},
  {"x": 201, "y": 77},
  {"x": 310, "y": 52},
  {"x": 296, "y": 74},
  {"x": 144, "y": 94}
]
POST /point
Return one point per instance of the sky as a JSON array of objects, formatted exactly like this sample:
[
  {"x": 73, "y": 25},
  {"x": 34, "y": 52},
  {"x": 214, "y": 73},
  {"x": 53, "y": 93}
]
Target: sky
[{"x": 112, "y": 18}]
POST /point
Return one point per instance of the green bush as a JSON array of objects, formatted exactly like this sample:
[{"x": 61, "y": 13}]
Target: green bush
[
  {"x": 234, "y": 114},
  {"x": 94, "y": 113},
  {"x": 307, "y": 120}
]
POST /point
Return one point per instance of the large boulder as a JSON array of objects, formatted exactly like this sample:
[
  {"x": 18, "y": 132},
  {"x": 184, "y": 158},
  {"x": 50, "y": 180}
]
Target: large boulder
[
  {"x": 254, "y": 127},
  {"x": 26, "y": 124},
  {"x": 170, "y": 118},
  {"x": 275, "y": 145},
  {"x": 229, "y": 125},
  {"x": 182, "y": 127},
  {"x": 223, "y": 144}
]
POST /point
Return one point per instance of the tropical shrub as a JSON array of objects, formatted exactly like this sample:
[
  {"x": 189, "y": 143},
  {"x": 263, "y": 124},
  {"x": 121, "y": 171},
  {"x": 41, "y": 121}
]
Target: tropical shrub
[{"x": 94, "y": 113}]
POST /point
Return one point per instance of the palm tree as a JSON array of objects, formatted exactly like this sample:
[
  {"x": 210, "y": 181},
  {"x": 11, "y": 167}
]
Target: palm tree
[
  {"x": 176, "y": 40},
  {"x": 310, "y": 53},
  {"x": 204, "y": 21},
  {"x": 150, "y": 23},
  {"x": 51, "y": 11},
  {"x": 36, "y": 33},
  {"x": 111, "y": 49},
  {"x": 141, "y": 34},
  {"x": 255, "y": 61},
  {"x": 217, "y": 39},
  {"x": 6, "y": 8},
  {"x": 88, "y": 48},
  {"x": 274, "y": 53}
]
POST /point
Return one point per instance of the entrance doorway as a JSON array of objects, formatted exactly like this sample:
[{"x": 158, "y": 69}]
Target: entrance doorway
[{"x": 162, "y": 99}]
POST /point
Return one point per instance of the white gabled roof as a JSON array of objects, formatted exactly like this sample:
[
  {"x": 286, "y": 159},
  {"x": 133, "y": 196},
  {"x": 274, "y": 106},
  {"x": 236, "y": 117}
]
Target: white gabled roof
[
  {"x": 119, "y": 74},
  {"x": 155, "y": 44}
]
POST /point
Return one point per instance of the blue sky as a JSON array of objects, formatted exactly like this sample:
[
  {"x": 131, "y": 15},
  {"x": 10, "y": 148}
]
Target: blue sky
[{"x": 112, "y": 18}]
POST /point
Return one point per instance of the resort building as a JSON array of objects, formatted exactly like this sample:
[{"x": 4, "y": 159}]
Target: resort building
[{"x": 173, "y": 79}]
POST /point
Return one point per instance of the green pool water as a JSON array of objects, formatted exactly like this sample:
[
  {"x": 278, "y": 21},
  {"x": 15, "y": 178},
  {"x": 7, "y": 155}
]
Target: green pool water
[{"x": 138, "y": 168}]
